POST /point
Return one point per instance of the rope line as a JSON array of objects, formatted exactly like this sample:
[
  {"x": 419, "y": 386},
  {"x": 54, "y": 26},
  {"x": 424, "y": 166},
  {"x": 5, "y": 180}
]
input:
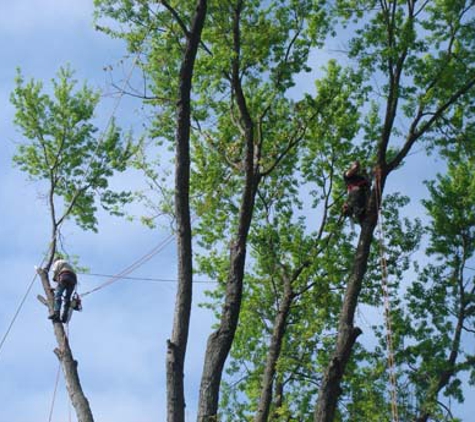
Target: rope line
[
  {"x": 160, "y": 280},
  {"x": 387, "y": 303},
  {"x": 23, "y": 300},
  {"x": 17, "y": 312},
  {"x": 54, "y": 392},
  {"x": 138, "y": 263}
]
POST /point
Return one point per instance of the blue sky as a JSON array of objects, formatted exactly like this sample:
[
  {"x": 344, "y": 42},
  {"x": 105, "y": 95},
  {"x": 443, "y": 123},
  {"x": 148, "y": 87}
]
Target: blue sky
[{"x": 120, "y": 337}]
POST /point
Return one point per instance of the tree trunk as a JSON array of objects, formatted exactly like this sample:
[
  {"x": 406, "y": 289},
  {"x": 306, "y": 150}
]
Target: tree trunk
[
  {"x": 65, "y": 356},
  {"x": 347, "y": 333},
  {"x": 280, "y": 324},
  {"x": 444, "y": 377},
  {"x": 278, "y": 393},
  {"x": 219, "y": 342},
  {"x": 176, "y": 346}
]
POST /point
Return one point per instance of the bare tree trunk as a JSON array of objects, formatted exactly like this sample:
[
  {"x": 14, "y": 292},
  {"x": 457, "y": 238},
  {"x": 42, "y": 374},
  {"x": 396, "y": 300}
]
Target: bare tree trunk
[
  {"x": 176, "y": 348},
  {"x": 65, "y": 356},
  {"x": 280, "y": 324}
]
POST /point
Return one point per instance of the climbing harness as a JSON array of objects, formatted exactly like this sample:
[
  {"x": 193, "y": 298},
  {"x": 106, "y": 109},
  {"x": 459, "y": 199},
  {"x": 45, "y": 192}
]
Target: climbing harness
[
  {"x": 387, "y": 303},
  {"x": 353, "y": 185}
]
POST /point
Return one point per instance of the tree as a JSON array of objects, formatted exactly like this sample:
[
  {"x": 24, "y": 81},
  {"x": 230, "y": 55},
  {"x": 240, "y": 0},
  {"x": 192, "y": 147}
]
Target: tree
[
  {"x": 61, "y": 151},
  {"x": 418, "y": 78},
  {"x": 177, "y": 344},
  {"x": 228, "y": 91},
  {"x": 176, "y": 45},
  {"x": 287, "y": 283},
  {"x": 427, "y": 72},
  {"x": 256, "y": 133},
  {"x": 440, "y": 303}
]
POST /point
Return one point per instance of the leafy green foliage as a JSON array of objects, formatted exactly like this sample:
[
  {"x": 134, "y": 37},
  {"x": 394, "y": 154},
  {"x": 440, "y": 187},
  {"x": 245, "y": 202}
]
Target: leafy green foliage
[
  {"x": 63, "y": 147},
  {"x": 411, "y": 76},
  {"x": 440, "y": 302}
]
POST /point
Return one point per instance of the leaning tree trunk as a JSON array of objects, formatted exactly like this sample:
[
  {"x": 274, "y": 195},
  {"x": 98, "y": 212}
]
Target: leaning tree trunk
[
  {"x": 330, "y": 390},
  {"x": 177, "y": 344},
  {"x": 65, "y": 356},
  {"x": 280, "y": 324},
  {"x": 220, "y": 341}
]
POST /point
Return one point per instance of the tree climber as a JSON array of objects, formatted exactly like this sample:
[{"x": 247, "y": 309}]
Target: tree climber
[
  {"x": 64, "y": 275},
  {"x": 358, "y": 187}
]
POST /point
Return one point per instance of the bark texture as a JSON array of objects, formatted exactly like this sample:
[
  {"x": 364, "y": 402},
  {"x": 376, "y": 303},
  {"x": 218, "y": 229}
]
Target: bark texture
[
  {"x": 176, "y": 346},
  {"x": 330, "y": 389},
  {"x": 278, "y": 332},
  {"x": 65, "y": 356},
  {"x": 219, "y": 342}
]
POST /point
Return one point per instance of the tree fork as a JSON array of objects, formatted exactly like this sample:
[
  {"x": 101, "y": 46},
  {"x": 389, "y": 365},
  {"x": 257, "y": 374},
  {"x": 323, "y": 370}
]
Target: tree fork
[{"x": 220, "y": 341}]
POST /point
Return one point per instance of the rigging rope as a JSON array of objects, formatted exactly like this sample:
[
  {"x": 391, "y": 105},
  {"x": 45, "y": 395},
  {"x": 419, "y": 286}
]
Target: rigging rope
[
  {"x": 17, "y": 312},
  {"x": 23, "y": 300},
  {"x": 387, "y": 302},
  {"x": 138, "y": 263},
  {"x": 158, "y": 280},
  {"x": 54, "y": 392}
]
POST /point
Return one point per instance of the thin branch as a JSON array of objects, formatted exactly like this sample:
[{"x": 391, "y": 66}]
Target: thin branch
[
  {"x": 415, "y": 134},
  {"x": 177, "y": 18}
]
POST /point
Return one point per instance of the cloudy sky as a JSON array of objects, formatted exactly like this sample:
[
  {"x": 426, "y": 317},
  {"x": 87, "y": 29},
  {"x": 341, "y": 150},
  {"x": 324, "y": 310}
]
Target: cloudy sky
[{"x": 119, "y": 339}]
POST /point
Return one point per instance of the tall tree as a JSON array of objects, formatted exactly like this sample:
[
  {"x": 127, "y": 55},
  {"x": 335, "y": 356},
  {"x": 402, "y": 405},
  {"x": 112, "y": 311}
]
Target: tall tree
[
  {"x": 177, "y": 343},
  {"x": 166, "y": 37},
  {"x": 63, "y": 152},
  {"x": 441, "y": 303},
  {"x": 286, "y": 282},
  {"x": 256, "y": 133},
  {"x": 239, "y": 114},
  {"x": 427, "y": 71}
]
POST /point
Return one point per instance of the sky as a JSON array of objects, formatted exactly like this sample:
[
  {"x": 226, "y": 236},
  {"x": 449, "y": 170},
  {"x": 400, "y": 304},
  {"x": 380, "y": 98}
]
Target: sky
[{"x": 120, "y": 337}]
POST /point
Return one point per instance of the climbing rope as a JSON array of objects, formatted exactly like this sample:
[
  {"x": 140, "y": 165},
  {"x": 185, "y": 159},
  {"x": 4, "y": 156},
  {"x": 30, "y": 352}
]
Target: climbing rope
[
  {"x": 55, "y": 390},
  {"x": 4, "y": 338},
  {"x": 56, "y": 383},
  {"x": 23, "y": 300},
  {"x": 387, "y": 302}
]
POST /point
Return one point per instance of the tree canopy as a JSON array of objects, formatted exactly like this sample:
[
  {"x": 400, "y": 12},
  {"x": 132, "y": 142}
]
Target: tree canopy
[{"x": 259, "y": 191}]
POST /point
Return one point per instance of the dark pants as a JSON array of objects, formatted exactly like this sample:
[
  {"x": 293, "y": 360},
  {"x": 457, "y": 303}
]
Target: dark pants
[
  {"x": 356, "y": 203},
  {"x": 66, "y": 284}
]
